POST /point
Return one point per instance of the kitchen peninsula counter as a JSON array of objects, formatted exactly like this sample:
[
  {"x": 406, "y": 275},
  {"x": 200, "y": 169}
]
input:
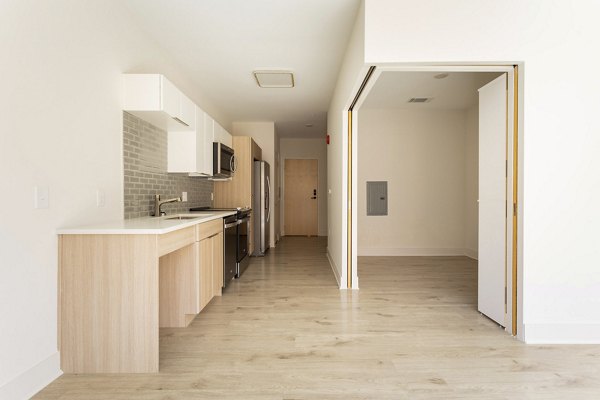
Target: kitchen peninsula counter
[
  {"x": 144, "y": 225},
  {"x": 121, "y": 281}
]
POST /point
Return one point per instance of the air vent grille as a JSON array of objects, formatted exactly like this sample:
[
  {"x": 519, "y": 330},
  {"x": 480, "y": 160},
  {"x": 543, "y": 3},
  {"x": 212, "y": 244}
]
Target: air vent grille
[
  {"x": 420, "y": 99},
  {"x": 274, "y": 79}
]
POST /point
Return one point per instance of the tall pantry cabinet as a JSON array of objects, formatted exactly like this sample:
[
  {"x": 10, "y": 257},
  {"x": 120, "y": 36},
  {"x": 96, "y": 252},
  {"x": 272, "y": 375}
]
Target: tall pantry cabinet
[{"x": 238, "y": 192}]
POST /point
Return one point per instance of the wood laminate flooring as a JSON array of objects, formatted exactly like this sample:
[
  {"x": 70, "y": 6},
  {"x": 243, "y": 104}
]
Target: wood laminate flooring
[{"x": 284, "y": 331}]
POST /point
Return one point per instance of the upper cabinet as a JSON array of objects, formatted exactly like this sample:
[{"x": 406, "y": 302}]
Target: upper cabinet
[
  {"x": 155, "y": 99},
  {"x": 238, "y": 192},
  {"x": 191, "y": 151},
  {"x": 209, "y": 139},
  {"x": 222, "y": 136}
]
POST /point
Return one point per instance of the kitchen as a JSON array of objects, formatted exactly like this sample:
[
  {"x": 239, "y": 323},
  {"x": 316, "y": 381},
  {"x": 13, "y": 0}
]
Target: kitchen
[
  {"x": 186, "y": 250},
  {"x": 62, "y": 165}
]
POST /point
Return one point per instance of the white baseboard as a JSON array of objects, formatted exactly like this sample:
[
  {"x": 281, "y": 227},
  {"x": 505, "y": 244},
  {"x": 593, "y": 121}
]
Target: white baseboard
[
  {"x": 474, "y": 254},
  {"x": 403, "y": 251},
  {"x": 334, "y": 269},
  {"x": 33, "y": 380},
  {"x": 562, "y": 333}
]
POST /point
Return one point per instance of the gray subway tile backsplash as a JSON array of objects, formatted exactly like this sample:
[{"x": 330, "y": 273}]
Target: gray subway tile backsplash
[{"x": 145, "y": 172}]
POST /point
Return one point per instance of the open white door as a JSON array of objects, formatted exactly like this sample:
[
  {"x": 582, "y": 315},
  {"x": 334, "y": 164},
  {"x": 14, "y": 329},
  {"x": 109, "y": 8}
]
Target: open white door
[{"x": 492, "y": 199}]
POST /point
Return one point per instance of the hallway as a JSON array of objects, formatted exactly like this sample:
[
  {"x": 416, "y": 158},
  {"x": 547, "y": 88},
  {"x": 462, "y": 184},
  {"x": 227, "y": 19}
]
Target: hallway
[{"x": 285, "y": 331}]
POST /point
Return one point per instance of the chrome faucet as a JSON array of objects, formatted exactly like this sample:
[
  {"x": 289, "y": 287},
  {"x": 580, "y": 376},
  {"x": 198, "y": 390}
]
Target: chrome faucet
[{"x": 158, "y": 203}]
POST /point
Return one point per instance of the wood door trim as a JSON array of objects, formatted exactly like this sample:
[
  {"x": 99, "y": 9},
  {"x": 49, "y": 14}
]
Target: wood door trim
[
  {"x": 350, "y": 178},
  {"x": 515, "y": 197},
  {"x": 515, "y": 183}
]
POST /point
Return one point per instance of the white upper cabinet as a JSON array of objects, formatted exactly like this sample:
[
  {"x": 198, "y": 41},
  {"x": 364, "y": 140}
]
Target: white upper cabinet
[
  {"x": 191, "y": 131},
  {"x": 188, "y": 111},
  {"x": 155, "y": 99},
  {"x": 209, "y": 138},
  {"x": 222, "y": 136},
  {"x": 191, "y": 151}
]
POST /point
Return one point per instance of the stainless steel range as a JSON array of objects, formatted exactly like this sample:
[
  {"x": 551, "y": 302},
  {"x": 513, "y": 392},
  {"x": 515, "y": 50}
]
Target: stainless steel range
[{"x": 235, "y": 241}]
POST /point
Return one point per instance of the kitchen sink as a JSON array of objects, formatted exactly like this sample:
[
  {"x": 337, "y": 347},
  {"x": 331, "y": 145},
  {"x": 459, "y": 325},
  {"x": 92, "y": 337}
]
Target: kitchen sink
[{"x": 188, "y": 216}]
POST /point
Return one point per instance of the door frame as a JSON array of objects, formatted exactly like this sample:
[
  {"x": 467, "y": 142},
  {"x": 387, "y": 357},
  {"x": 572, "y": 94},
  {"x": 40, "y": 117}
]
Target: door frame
[
  {"x": 282, "y": 174},
  {"x": 514, "y": 185}
]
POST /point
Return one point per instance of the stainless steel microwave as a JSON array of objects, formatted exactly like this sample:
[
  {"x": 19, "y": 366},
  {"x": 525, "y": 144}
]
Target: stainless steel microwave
[{"x": 223, "y": 161}]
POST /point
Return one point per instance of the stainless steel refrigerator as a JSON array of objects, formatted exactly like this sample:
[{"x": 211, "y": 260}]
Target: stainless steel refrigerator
[{"x": 261, "y": 207}]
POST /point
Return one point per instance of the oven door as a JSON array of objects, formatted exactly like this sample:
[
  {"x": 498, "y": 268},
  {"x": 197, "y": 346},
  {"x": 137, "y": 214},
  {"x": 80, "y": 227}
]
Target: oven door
[
  {"x": 230, "y": 249},
  {"x": 242, "y": 248}
]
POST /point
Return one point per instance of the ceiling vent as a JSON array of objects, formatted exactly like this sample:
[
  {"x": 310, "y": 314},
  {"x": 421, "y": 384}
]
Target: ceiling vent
[
  {"x": 274, "y": 79},
  {"x": 420, "y": 99}
]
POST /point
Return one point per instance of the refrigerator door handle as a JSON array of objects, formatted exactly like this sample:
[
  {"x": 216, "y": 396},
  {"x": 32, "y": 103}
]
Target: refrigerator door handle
[{"x": 268, "y": 202}]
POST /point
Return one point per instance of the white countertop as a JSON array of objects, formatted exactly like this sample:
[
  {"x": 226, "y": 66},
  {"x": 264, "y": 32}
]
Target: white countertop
[{"x": 145, "y": 225}]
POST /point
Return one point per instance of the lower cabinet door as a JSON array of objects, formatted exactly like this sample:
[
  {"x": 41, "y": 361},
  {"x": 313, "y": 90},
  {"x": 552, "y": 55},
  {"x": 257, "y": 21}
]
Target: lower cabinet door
[
  {"x": 206, "y": 271},
  {"x": 217, "y": 264}
]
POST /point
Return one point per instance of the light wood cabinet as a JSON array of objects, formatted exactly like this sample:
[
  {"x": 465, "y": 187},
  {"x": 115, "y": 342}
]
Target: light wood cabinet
[
  {"x": 206, "y": 272},
  {"x": 155, "y": 99},
  {"x": 210, "y": 236},
  {"x": 238, "y": 192},
  {"x": 116, "y": 290},
  {"x": 218, "y": 263}
]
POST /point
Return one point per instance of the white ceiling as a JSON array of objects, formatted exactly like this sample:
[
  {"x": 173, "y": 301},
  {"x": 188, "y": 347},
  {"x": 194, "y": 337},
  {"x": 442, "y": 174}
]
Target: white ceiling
[
  {"x": 458, "y": 91},
  {"x": 220, "y": 42}
]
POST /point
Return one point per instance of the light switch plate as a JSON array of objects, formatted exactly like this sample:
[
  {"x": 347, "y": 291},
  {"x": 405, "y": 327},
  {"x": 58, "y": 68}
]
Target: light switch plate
[
  {"x": 41, "y": 197},
  {"x": 184, "y": 196}
]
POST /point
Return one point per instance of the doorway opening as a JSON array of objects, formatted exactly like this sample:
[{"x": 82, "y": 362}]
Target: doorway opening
[{"x": 444, "y": 141}]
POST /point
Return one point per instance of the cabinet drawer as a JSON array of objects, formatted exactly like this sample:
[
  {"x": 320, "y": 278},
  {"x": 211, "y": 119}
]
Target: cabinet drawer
[
  {"x": 175, "y": 240},
  {"x": 208, "y": 229}
]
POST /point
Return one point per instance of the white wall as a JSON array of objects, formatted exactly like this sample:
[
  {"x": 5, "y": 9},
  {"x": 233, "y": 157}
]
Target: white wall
[
  {"x": 307, "y": 149},
  {"x": 560, "y": 189},
  {"x": 350, "y": 77},
  {"x": 264, "y": 135},
  {"x": 279, "y": 190},
  {"x": 422, "y": 155},
  {"x": 472, "y": 182},
  {"x": 62, "y": 128}
]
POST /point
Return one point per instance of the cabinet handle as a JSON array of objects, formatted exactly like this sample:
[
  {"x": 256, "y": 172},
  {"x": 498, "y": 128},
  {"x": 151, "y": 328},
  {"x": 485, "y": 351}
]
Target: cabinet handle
[
  {"x": 232, "y": 164},
  {"x": 231, "y": 225},
  {"x": 180, "y": 121}
]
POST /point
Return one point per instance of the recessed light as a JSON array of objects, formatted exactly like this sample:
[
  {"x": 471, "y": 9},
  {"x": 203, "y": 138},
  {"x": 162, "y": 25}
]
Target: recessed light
[
  {"x": 441, "y": 76},
  {"x": 274, "y": 79}
]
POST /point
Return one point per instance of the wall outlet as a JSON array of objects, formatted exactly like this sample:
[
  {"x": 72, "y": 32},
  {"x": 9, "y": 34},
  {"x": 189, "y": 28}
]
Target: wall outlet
[
  {"x": 41, "y": 197},
  {"x": 183, "y": 196},
  {"x": 100, "y": 198}
]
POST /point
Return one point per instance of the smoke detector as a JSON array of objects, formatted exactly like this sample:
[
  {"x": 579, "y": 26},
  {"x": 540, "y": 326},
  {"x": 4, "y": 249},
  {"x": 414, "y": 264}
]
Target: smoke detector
[
  {"x": 420, "y": 99},
  {"x": 274, "y": 79}
]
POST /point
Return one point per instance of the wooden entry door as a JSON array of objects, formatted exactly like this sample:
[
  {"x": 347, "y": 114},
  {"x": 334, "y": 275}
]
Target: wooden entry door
[{"x": 301, "y": 182}]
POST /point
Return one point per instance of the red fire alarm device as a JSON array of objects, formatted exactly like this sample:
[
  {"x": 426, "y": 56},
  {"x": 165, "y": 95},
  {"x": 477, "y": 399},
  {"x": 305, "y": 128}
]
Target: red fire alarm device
[{"x": 327, "y": 139}]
